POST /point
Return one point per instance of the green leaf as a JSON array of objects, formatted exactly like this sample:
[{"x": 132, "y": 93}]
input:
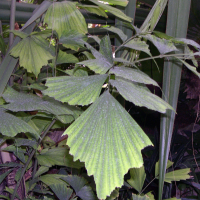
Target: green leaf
[
  {"x": 105, "y": 137},
  {"x": 150, "y": 195},
  {"x": 133, "y": 74},
  {"x": 4, "y": 175},
  {"x": 78, "y": 72},
  {"x": 117, "y": 2},
  {"x": 114, "y": 194},
  {"x": 29, "y": 102},
  {"x": 163, "y": 46},
  {"x": 177, "y": 175},
  {"x": 33, "y": 52},
  {"x": 19, "y": 33},
  {"x": 114, "y": 11},
  {"x": 65, "y": 58},
  {"x": 79, "y": 185},
  {"x": 61, "y": 191},
  {"x": 118, "y": 31},
  {"x": 80, "y": 90},
  {"x": 2, "y": 46},
  {"x": 25, "y": 142},
  {"x": 94, "y": 9},
  {"x": 137, "y": 179},
  {"x": 63, "y": 16},
  {"x": 72, "y": 39},
  {"x": 187, "y": 41},
  {"x": 169, "y": 164},
  {"x": 190, "y": 67},
  {"x": 41, "y": 170},
  {"x": 58, "y": 156},
  {"x": 11, "y": 125},
  {"x": 140, "y": 95},
  {"x": 51, "y": 179},
  {"x": 138, "y": 45},
  {"x": 139, "y": 197}
]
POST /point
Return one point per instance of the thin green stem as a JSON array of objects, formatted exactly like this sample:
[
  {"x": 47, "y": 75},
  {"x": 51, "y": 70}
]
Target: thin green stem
[
  {"x": 29, "y": 159},
  {"x": 148, "y": 185}
]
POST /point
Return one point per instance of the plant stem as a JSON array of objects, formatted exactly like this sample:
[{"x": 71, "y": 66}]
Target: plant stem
[
  {"x": 30, "y": 157},
  {"x": 147, "y": 185}
]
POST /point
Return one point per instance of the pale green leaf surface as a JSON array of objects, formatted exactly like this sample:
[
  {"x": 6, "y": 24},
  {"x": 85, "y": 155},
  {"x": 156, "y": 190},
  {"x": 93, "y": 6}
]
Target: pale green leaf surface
[
  {"x": 133, "y": 74},
  {"x": 95, "y": 38},
  {"x": 169, "y": 164},
  {"x": 114, "y": 11},
  {"x": 177, "y": 175},
  {"x": 77, "y": 72},
  {"x": 191, "y": 55},
  {"x": 117, "y": 2},
  {"x": 94, "y": 9},
  {"x": 100, "y": 66},
  {"x": 41, "y": 170},
  {"x": 140, "y": 95},
  {"x": 63, "y": 16},
  {"x": 65, "y": 58},
  {"x": 125, "y": 62},
  {"x": 191, "y": 68},
  {"x": 137, "y": 179},
  {"x": 188, "y": 41},
  {"x": 33, "y": 52},
  {"x": 150, "y": 195},
  {"x": 138, "y": 45},
  {"x": 75, "y": 90},
  {"x": 11, "y": 125},
  {"x": 29, "y": 102},
  {"x": 61, "y": 191},
  {"x": 58, "y": 156},
  {"x": 118, "y": 31},
  {"x": 139, "y": 197},
  {"x": 72, "y": 39},
  {"x": 163, "y": 46},
  {"x": 109, "y": 141}
]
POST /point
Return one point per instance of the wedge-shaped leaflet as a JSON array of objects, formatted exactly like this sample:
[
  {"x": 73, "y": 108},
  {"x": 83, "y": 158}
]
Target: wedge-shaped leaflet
[
  {"x": 163, "y": 46},
  {"x": 61, "y": 191},
  {"x": 11, "y": 125},
  {"x": 114, "y": 11},
  {"x": 28, "y": 102},
  {"x": 75, "y": 90},
  {"x": 57, "y": 156},
  {"x": 109, "y": 141},
  {"x": 114, "y": 194},
  {"x": 51, "y": 179},
  {"x": 118, "y": 31},
  {"x": 72, "y": 39},
  {"x": 64, "y": 15},
  {"x": 104, "y": 58},
  {"x": 137, "y": 179},
  {"x": 133, "y": 74},
  {"x": 94, "y": 9},
  {"x": 80, "y": 186},
  {"x": 138, "y": 45},
  {"x": 140, "y": 95},
  {"x": 33, "y": 52},
  {"x": 65, "y": 58}
]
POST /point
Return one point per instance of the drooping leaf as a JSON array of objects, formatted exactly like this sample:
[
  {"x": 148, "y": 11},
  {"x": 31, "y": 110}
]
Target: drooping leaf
[
  {"x": 79, "y": 185},
  {"x": 29, "y": 102},
  {"x": 133, "y": 74},
  {"x": 114, "y": 11},
  {"x": 138, "y": 45},
  {"x": 51, "y": 179},
  {"x": 106, "y": 138},
  {"x": 139, "y": 197},
  {"x": 137, "y": 179},
  {"x": 25, "y": 142},
  {"x": 94, "y": 9},
  {"x": 61, "y": 191},
  {"x": 62, "y": 16},
  {"x": 72, "y": 39},
  {"x": 118, "y": 31},
  {"x": 117, "y": 2},
  {"x": 41, "y": 171},
  {"x": 177, "y": 175},
  {"x": 163, "y": 46},
  {"x": 75, "y": 90},
  {"x": 11, "y": 125},
  {"x": 140, "y": 95},
  {"x": 33, "y": 52},
  {"x": 188, "y": 42},
  {"x": 57, "y": 156},
  {"x": 65, "y": 58}
]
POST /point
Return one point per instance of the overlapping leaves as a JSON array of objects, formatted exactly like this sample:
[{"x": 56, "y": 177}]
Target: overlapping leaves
[
  {"x": 75, "y": 90},
  {"x": 108, "y": 130}
]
